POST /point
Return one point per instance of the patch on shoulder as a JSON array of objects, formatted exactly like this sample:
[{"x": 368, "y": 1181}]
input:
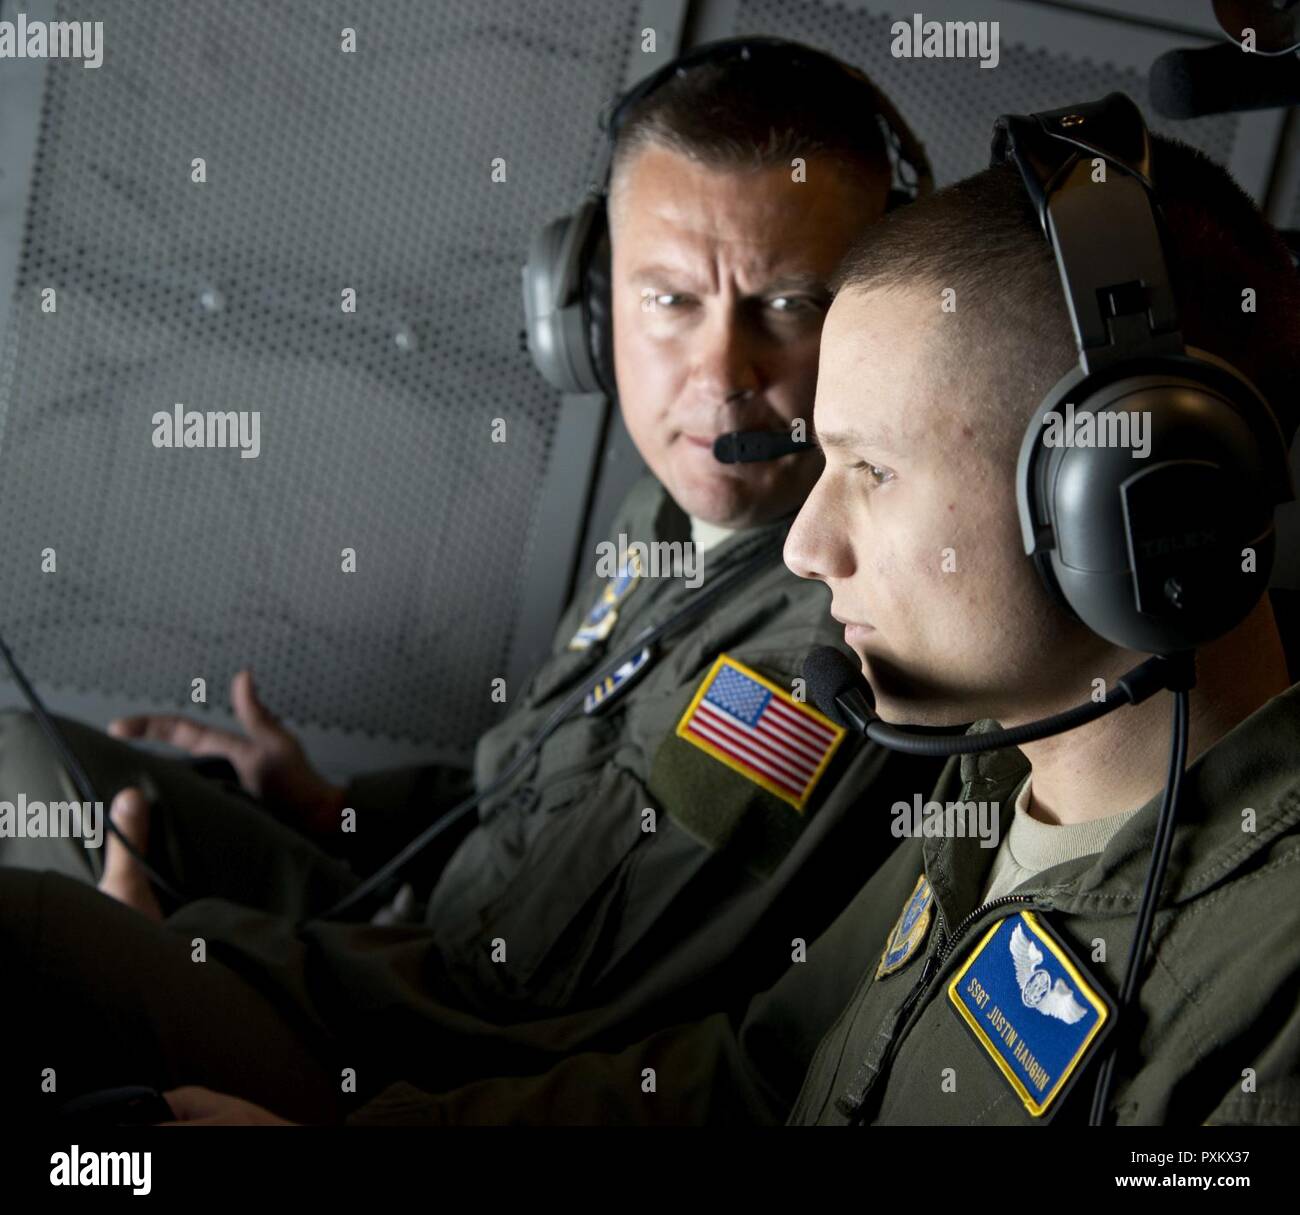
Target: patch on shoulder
[
  {"x": 600, "y": 620},
  {"x": 1031, "y": 1006},
  {"x": 617, "y": 682},
  {"x": 910, "y": 930},
  {"x": 760, "y": 731}
]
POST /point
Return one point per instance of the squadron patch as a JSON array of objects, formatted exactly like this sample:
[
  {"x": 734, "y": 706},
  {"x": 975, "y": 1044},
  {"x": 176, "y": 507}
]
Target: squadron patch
[
  {"x": 616, "y": 684},
  {"x": 599, "y": 622},
  {"x": 910, "y": 929},
  {"x": 1029, "y": 1004},
  {"x": 760, "y": 731}
]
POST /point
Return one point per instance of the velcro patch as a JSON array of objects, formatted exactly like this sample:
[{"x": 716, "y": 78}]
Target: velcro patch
[
  {"x": 600, "y": 620},
  {"x": 760, "y": 731},
  {"x": 909, "y": 930},
  {"x": 1030, "y": 1006},
  {"x": 617, "y": 682}
]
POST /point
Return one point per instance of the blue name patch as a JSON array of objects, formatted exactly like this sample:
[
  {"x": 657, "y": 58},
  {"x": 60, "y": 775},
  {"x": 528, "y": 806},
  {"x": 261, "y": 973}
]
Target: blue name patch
[{"x": 1031, "y": 1007}]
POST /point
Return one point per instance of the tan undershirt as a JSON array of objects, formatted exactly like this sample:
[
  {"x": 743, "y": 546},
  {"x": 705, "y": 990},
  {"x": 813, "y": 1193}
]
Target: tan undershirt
[
  {"x": 708, "y": 535},
  {"x": 1030, "y": 846}
]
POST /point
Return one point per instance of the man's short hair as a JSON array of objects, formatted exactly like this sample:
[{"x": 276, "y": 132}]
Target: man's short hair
[
  {"x": 981, "y": 237},
  {"x": 754, "y": 114}
]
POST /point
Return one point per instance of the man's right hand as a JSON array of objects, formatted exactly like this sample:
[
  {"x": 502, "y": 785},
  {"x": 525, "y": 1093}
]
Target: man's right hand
[{"x": 269, "y": 760}]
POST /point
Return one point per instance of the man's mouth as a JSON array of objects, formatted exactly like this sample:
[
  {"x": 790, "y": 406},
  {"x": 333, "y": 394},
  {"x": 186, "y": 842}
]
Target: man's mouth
[
  {"x": 853, "y": 629},
  {"x": 705, "y": 441}
]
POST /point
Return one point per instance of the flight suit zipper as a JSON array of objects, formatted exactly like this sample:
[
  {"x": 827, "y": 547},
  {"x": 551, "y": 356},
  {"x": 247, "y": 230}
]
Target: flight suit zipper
[{"x": 853, "y": 1103}]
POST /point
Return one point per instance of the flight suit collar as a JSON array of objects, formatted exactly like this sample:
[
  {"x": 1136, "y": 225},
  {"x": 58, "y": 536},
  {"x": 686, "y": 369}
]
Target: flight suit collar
[
  {"x": 652, "y": 516},
  {"x": 1254, "y": 767},
  {"x": 668, "y": 522},
  {"x": 958, "y": 869}
]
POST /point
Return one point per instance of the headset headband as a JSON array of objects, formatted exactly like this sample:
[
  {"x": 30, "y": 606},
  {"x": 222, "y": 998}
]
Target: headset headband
[
  {"x": 1111, "y": 259},
  {"x": 911, "y": 165}
]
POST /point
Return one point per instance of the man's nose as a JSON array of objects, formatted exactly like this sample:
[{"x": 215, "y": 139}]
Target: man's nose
[
  {"x": 815, "y": 546},
  {"x": 727, "y": 361}
]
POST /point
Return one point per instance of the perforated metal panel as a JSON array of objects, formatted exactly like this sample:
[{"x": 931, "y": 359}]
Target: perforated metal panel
[
  {"x": 325, "y": 170},
  {"x": 951, "y": 103}
]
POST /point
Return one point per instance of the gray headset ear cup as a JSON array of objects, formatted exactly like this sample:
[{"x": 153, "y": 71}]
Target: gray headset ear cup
[
  {"x": 544, "y": 320},
  {"x": 1148, "y": 553},
  {"x": 598, "y": 293},
  {"x": 556, "y": 305}
]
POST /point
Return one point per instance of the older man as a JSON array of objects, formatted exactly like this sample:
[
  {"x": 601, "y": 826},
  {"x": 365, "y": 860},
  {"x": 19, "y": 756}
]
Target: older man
[{"x": 668, "y": 846}]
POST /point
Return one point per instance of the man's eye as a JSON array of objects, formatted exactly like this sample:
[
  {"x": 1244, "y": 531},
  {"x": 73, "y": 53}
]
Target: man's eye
[
  {"x": 878, "y": 474},
  {"x": 669, "y": 299},
  {"x": 792, "y": 304}
]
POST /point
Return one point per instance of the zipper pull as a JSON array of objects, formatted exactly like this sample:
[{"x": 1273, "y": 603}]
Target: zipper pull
[
  {"x": 850, "y": 1101},
  {"x": 927, "y": 973}
]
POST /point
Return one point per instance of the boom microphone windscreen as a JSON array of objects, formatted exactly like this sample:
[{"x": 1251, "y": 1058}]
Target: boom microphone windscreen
[
  {"x": 836, "y": 687},
  {"x": 753, "y": 446}
]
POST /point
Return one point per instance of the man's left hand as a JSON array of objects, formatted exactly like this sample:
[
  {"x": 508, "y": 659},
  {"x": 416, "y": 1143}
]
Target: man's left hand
[{"x": 196, "y": 1106}]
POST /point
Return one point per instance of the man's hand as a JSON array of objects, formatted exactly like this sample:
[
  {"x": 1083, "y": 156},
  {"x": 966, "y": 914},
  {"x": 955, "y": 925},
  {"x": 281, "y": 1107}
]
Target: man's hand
[
  {"x": 195, "y": 1106},
  {"x": 123, "y": 878},
  {"x": 269, "y": 760}
]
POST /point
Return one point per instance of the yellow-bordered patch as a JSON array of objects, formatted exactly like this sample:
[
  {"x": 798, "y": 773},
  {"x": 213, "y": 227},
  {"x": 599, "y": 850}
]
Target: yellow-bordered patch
[
  {"x": 760, "y": 731},
  {"x": 1031, "y": 1006},
  {"x": 910, "y": 929}
]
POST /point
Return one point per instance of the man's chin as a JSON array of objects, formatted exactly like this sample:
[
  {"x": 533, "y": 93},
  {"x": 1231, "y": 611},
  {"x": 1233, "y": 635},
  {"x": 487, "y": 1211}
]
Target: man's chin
[
  {"x": 904, "y": 698},
  {"x": 723, "y": 500},
  {"x": 733, "y": 496},
  {"x": 902, "y": 712}
]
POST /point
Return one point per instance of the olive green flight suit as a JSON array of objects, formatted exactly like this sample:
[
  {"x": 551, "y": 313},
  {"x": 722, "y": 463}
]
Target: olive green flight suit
[
  {"x": 563, "y": 869},
  {"x": 1215, "y": 1036},
  {"x": 562, "y": 921}
]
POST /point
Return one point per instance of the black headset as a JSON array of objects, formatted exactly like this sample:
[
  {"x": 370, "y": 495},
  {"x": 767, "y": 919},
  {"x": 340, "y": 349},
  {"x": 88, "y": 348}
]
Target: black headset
[
  {"x": 566, "y": 279},
  {"x": 1148, "y": 552}
]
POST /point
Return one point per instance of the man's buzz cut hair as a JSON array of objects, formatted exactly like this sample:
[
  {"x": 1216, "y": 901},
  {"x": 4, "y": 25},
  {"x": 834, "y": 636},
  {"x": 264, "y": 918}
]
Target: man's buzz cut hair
[
  {"x": 982, "y": 237},
  {"x": 739, "y": 114}
]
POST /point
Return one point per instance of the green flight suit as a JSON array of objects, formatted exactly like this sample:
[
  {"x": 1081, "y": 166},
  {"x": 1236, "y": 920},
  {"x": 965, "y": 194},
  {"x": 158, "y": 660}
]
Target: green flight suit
[
  {"x": 1215, "y": 1036},
  {"x": 561, "y": 922}
]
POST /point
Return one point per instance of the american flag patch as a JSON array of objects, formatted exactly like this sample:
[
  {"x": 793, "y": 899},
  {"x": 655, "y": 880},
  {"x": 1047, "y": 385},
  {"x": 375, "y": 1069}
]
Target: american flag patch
[{"x": 760, "y": 731}]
